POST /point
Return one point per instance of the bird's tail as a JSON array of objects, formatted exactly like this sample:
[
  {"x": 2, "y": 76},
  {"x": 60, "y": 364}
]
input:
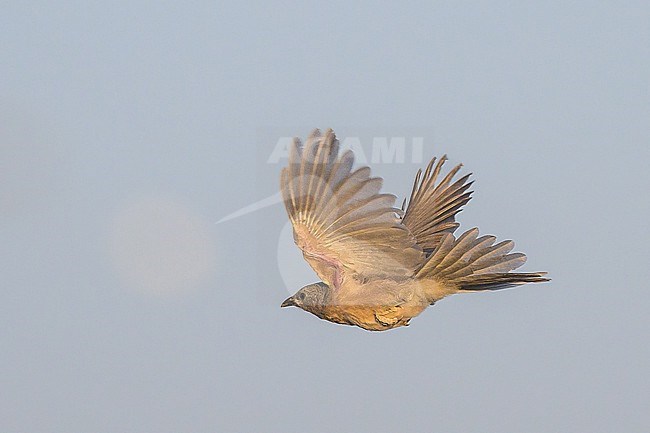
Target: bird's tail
[{"x": 472, "y": 263}]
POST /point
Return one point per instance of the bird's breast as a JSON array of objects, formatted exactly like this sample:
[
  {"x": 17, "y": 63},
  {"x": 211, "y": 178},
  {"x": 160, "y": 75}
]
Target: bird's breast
[{"x": 375, "y": 305}]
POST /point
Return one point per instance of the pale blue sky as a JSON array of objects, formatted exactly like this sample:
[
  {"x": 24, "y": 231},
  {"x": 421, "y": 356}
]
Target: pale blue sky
[{"x": 128, "y": 128}]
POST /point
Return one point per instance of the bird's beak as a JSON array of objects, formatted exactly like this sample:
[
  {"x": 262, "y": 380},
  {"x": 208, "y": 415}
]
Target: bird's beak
[{"x": 289, "y": 302}]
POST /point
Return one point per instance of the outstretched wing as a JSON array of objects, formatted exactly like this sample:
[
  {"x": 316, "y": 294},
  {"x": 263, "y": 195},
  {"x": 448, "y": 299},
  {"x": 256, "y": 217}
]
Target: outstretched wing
[
  {"x": 341, "y": 222},
  {"x": 432, "y": 208}
]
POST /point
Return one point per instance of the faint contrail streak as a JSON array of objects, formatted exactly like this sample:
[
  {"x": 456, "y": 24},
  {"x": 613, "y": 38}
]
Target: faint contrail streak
[{"x": 260, "y": 204}]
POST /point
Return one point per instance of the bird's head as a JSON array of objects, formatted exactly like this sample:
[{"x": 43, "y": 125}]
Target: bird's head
[{"x": 312, "y": 298}]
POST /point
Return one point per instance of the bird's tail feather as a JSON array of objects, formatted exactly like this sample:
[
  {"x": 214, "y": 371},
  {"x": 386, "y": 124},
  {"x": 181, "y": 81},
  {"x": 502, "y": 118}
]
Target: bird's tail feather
[
  {"x": 472, "y": 263},
  {"x": 500, "y": 281}
]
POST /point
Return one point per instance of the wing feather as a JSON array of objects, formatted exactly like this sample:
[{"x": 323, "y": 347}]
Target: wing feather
[
  {"x": 341, "y": 221},
  {"x": 432, "y": 207}
]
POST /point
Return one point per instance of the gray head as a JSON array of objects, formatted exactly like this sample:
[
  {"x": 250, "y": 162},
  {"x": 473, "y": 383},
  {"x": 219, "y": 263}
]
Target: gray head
[{"x": 309, "y": 298}]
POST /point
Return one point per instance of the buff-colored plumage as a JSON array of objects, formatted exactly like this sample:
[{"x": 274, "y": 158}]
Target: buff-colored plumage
[{"x": 382, "y": 266}]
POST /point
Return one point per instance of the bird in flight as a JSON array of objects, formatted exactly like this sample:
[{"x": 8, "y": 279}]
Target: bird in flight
[{"x": 381, "y": 266}]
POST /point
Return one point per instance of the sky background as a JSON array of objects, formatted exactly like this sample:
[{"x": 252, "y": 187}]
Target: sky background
[{"x": 127, "y": 129}]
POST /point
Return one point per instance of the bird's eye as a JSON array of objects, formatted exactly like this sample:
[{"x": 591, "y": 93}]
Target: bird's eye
[{"x": 301, "y": 296}]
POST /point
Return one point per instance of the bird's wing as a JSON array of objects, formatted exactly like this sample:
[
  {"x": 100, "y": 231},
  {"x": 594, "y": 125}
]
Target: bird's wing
[
  {"x": 341, "y": 222},
  {"x": 432, "y": 207}
]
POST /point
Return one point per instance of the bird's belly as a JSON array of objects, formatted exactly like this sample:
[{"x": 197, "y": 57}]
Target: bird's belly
[
  {"x": 376, "y": 305},
  {"x": 375, "y": 317}
]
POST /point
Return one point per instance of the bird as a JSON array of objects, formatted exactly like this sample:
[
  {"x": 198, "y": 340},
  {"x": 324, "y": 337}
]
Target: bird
[{"x": 380, "y": 266}]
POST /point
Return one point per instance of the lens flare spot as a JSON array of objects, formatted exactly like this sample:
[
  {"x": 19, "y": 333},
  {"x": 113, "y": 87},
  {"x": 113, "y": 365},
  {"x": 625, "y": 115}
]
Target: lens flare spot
[{"x": 162, "y": 247}]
